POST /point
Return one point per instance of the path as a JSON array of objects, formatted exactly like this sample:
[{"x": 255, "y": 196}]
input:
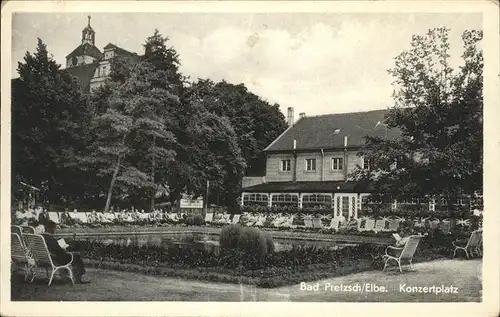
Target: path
[{"x": 123, "y": 286}]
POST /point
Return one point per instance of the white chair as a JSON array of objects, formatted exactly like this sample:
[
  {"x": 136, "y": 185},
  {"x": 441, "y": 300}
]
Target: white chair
[
  {"x": 20, "y": 255},
  {"x": 40, "y": 252},
  {"x": 369, "y": 225},
  {"x": 406, "y": 252},
  {"x": 209, "y": 217},
  {"x": 236, "y": 219},
  {"x": 334, "y": 224},
  {"x": 308, "y": 223},
  {"x": 260, "y": 221},
  {"x": 81, "y": 216},
  {"x": 317, "y": 224},
  {"x": 379, "y": 225},
  {"x": 393, "y": 225},
  {"x": 54, "y": 216},
  {"x": 473, "y": 244}
]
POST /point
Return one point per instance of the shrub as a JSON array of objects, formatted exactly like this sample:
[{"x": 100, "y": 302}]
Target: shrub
[
  {"x": 252, "y": 242},
  {"x": 229, "y": 237}
]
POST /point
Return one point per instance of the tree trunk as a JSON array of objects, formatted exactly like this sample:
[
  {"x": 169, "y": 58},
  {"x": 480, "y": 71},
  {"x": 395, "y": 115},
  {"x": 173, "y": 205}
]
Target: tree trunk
[{"x": 112, "y": 184}]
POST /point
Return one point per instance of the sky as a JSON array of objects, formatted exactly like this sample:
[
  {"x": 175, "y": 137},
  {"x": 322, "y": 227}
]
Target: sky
[{"x": 317, "y": 63}]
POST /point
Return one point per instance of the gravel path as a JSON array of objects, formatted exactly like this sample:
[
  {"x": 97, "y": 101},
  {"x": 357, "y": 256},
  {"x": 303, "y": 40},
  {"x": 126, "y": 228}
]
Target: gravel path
[{"x": 458, "y": 275}]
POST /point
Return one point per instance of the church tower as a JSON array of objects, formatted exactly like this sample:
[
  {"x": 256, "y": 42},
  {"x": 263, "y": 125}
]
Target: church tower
[
  {"x": 88, "y": 34},
  {"x": 87, "y": 52}
]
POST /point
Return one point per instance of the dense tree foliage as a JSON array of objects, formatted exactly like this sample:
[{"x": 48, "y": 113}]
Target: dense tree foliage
[
  {"x": 439, "y": 113},
  {"x": 50, "y": 117},
  {"x": 255, "y": 121},
  {"x": 146, "y": 132}
]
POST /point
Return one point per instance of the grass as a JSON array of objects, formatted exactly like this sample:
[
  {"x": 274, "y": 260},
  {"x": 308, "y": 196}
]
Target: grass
[{"x": 110, "y": 285}]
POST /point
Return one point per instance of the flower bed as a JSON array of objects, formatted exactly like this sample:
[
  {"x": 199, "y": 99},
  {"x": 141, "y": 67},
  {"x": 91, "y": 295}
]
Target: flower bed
[{"x": 290, "y": 267}]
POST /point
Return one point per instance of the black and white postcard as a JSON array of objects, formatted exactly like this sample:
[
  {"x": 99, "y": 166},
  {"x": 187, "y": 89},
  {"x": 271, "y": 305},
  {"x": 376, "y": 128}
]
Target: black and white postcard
[{"x": 250, "y": 158}]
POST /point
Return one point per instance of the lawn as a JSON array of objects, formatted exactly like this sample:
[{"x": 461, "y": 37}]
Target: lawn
[{"x": 107, "y": 285}]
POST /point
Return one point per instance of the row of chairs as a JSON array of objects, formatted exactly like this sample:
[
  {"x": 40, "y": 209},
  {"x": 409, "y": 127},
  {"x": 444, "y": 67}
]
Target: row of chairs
[{"x": 30, "y": 251}]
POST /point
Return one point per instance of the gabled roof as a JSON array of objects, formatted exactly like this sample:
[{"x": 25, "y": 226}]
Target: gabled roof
[
  {"x": 319, "y": 132},
  {"x": 83, "y": 73},
  {"x": 119, "y": 51},
  {"x": 86, "y": 49}
]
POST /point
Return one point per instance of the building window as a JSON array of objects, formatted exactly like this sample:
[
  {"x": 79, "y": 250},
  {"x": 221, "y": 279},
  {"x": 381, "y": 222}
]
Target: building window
[
  {"x": 285, "y": 199},
  {"x": 316, "y": 200},
  {"x": 285, "y": 166},
  {"x": 104, "y": 71},
  {"x": 311, "y": 164},
  {"x": 255, "y": 199},
  {"x": 337, "y": 163}
]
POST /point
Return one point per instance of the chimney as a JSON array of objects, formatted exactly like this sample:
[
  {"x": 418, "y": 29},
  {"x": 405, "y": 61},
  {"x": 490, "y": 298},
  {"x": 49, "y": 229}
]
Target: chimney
[
  {"x": 289, "y": 117},
  {"x": 302, "y": 115},
  {"x": 294, "y": 144}
]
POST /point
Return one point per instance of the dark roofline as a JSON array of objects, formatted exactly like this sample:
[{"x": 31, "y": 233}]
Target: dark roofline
[
  {"x": 282, "y": 134},
  {"x": 318, "y": 116},
  {"x": 349, "y": 112},
  {"x": 314, "y": 149},
  {"x": 122, "y": 50},
  {"x": 78, "y": 47}
]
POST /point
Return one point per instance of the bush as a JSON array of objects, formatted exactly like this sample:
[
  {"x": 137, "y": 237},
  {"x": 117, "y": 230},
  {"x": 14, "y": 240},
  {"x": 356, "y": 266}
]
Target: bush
[
  {"x": 252, "y": 242},
  {"x": 229, "y": 237}
]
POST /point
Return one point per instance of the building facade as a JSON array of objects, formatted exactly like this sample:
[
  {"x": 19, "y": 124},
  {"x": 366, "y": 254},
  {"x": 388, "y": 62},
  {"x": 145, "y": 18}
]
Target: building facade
[
  {"x": 310, "y": 163},
  {"x": 91, "y": 66}
]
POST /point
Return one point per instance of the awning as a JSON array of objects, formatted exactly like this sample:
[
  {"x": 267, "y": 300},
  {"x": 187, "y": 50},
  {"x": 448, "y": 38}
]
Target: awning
[{"x": 310, "y": 187}]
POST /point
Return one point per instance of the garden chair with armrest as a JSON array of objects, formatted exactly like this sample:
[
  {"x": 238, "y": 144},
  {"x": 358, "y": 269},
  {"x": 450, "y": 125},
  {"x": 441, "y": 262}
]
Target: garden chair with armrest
[
  {"x": 472, "y": 245},
  {"x": 21, "y": 255},
  {"x": 404, "y": 254},
  {"x": 40, "y": 252}
]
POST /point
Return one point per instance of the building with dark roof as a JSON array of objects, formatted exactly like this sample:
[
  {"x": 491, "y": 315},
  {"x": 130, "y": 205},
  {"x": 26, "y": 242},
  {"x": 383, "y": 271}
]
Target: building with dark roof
[
  {"x": 309, "y": 164},
  {"x": 88, "y": 64}
]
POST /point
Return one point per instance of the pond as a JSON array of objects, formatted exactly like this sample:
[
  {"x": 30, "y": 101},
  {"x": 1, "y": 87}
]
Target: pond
[{"x": 194, "y": 239}]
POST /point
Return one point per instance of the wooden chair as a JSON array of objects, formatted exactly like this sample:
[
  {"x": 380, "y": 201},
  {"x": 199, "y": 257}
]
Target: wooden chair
[
  {"x": 20, "y": 255},
  {"x": 473, "y": 244},
  {"x": 405, "y": 253},
  {"x": 40, "y": 252}
]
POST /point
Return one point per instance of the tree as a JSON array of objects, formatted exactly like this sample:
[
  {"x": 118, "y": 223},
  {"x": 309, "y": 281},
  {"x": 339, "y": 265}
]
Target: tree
[
  {"x": 209, "y": 151},
  {"x": 166, "y": 60},
  {"x": 255, "y": 121},
  {"x": 439, "y": 113},
  {"x": 138, "y": 110},
  {"x": 50, "y": 118}
]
